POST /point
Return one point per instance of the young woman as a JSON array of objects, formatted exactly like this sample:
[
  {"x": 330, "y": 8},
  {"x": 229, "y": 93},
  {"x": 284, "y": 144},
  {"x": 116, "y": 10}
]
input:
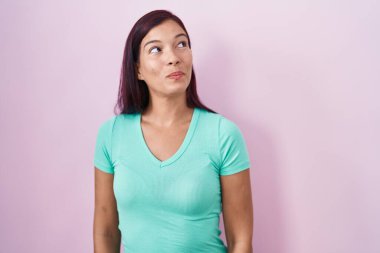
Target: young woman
[{"x": 166, "y": 166}]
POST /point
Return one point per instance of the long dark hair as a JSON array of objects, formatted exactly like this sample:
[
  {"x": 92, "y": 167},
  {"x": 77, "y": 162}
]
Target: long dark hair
[{"x": 133, "y": 95}]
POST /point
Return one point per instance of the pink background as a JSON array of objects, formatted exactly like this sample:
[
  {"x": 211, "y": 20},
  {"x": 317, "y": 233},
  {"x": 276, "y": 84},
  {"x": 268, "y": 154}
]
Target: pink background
[{"x": 299, "y": 78}]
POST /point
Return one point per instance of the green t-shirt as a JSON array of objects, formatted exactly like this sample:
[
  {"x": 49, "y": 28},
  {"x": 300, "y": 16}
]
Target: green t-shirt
[{"x": 170, "y": 206}]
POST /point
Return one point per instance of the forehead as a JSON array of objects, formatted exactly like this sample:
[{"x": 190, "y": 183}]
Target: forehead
[{"x": 164, "y": 31}]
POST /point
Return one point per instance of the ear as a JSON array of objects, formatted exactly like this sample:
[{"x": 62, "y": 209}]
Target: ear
[{"x": 139, "y": 75}]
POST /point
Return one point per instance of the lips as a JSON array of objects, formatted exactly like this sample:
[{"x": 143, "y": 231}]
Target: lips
[{"x": 177, "y": 73}]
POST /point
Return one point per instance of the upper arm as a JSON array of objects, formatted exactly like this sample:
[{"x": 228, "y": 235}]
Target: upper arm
[
  {"x": 106, "y": 216},
  {"x": 237, "y": 207},
  {"x": 234, "y": 173}
]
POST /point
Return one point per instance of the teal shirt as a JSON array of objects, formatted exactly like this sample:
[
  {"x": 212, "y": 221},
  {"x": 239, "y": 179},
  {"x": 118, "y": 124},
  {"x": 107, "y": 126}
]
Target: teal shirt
[{"x": 170, "y": 206}]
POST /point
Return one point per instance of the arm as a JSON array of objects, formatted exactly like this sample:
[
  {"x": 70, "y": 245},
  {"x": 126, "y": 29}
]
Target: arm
[
  {"x": 106, "y": 234},
  {"x": 238, "y": 211}
]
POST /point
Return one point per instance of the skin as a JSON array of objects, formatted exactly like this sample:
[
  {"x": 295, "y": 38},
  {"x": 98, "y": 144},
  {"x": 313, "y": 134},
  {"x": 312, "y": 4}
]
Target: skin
[
  {"x": 164, "y": 124},
  {"x": 167, "y": 117},
  {"x": 238, "y": 211},
  {"x": 106, "y": 235}
]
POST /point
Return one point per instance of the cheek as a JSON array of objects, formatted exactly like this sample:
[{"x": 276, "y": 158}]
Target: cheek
[
  {"x": 188, "y": 59},
  {"x": 152, "y": 67}
]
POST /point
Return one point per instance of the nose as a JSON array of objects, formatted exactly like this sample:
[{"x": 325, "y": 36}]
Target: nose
[{"x": 172, "y": 58}]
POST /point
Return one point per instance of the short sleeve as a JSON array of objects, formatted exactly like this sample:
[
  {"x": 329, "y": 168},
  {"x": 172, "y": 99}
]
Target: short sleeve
[
  {"x": 233, "y": 150},
  {"x": 102, "y": 157}
]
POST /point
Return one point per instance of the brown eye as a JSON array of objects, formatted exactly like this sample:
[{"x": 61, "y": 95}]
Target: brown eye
[
  {"x": 184, "y": 43},
  {"x": 150, "y": 50}
]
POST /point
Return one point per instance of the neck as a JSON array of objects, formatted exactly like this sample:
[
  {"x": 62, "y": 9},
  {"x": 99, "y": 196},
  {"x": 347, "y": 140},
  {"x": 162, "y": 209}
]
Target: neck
[{"x": 166, "y": 112}]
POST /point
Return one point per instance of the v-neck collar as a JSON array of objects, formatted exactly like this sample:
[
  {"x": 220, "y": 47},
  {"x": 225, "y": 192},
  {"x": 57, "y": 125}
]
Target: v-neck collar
[{"x": 181, "y": 149}]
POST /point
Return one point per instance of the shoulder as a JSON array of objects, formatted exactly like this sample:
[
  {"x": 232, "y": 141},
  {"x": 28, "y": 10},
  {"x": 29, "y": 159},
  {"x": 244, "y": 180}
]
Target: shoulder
[
  {"x": 208, "y": 117},
  {"x": 111, "y": 124},
  {"x": 108, "y": 124},
  {"x": 230, "y": 134},
  {"x": 225, "y": 126}
]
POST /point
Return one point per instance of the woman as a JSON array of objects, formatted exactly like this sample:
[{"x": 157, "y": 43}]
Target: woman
[{"x": 165, "y": 164}]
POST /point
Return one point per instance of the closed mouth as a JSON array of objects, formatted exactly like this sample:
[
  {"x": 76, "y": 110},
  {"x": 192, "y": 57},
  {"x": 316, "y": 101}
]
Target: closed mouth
[{"x": 177, "y": 73}]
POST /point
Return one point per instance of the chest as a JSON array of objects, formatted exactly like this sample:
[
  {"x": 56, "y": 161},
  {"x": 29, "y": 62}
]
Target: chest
[
  {"x": 164, "y": 142},
  {"x": 186, "y": 184}
]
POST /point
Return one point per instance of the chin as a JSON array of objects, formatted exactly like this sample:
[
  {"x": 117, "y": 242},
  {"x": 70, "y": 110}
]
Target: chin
[{"x": 176, "y": 88}]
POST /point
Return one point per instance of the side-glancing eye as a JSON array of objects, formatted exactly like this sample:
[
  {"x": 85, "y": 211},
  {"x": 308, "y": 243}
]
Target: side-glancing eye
[
  {"x": 150, "y": 50},
  {"x": 184, "y": 43}
]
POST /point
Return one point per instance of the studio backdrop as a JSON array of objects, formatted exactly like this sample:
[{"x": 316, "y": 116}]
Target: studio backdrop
[{"x": 300, "y": 79}]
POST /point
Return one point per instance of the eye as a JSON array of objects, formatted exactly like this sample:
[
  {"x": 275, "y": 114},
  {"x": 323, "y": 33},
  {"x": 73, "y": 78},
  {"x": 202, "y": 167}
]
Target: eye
[
  {"x": 184, "y": 43},
  {"x": 151, "y": 50}
]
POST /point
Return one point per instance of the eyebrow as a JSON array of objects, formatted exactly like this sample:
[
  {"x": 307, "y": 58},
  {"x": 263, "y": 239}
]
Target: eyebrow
[{"x": 178, "y": 35}]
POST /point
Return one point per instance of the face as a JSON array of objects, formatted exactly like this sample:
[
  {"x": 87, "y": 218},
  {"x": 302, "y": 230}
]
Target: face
[{"x": 164, "y": 50}]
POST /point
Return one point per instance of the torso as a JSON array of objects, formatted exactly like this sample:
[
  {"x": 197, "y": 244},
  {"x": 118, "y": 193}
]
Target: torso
[{"x": 178, "y": 199}]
